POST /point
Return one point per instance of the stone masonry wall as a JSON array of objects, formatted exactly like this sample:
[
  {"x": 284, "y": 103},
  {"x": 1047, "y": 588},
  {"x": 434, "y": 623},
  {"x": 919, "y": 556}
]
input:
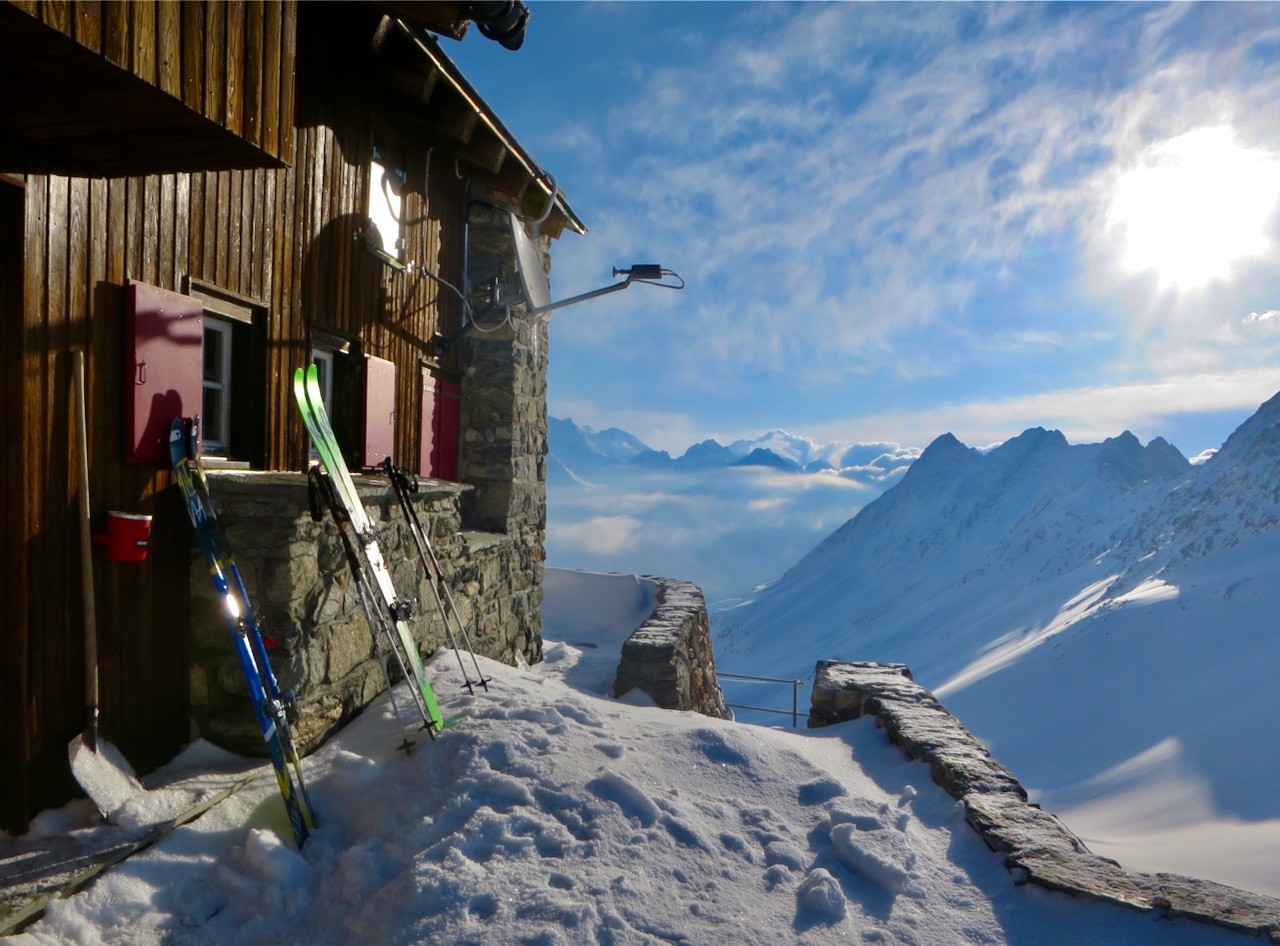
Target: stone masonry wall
[
  {"x": 670, "y": 656},
  {"x": 297, "y": 578},
  {"x": 1038, "y": 848},
  {"x": 504, "y": 400}
]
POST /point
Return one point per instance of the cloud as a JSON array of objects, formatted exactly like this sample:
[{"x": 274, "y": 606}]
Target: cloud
[
  {"x": 835, "y": 179},
  {"x": 599, "y": 535},
  {"x": 727, "y": 530},
  {"x": 1087, "y": 414},
  {"x": 1271, "y": 315}
]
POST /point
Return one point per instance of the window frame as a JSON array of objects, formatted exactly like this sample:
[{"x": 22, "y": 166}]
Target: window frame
[{"x": 217, "y": 442}]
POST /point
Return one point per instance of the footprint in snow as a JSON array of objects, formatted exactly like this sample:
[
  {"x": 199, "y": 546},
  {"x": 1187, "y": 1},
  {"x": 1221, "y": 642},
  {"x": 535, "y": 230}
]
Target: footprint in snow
[
  {"x": 611, "y": 749},
  {"x": 627, "y": 795},
  {"x": 580, "y": 715},
  {"x": 821, "y": 896},
  {"x": 819, "y": 792},
  {"x": 717, "y": 748}
]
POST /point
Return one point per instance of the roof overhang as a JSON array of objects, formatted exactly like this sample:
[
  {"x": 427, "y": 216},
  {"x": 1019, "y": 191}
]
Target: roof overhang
[
  {"x": 502, "y": 21},
  {"x": 65, "y": 109},
  {"x": 414, "y": 66}
]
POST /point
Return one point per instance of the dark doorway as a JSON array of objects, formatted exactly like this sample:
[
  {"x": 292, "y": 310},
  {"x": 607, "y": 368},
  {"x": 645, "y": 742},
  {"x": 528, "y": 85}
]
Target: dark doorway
[{"x": 13, "y": 576}]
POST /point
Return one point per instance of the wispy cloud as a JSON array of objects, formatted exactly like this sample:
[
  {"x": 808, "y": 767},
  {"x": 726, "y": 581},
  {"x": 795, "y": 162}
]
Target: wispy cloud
[
  {"x": 726, "y": 529},
  {"x": 599, "y": 535},
  {"x": 839, "y": 177},
  {"x": 1084, "y": 414}
]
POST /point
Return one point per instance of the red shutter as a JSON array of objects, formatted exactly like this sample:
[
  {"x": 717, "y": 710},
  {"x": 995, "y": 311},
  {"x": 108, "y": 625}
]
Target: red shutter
[
  {"x": 438, "y": 452},
  {"x": 164, "y": 367},
  {"x": 379, "y": 411}
]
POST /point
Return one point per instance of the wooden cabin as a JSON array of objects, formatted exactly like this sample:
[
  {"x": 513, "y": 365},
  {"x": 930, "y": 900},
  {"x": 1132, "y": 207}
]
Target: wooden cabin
[{"x": 204, "y": 196}]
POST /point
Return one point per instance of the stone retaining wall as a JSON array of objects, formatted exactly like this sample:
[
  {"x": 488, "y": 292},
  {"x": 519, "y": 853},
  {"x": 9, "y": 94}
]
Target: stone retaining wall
[
  {"x": 670, "y": 656},
  {"x": 1038, "y": 848},
  {"x": 297, "y": 578}
]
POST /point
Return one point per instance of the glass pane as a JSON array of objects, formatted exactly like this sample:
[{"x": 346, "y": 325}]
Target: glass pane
[
  {"x": 213, "y": 417},
  {"x": 213, "y": 342},
  {"x": 322, "y": 371}
]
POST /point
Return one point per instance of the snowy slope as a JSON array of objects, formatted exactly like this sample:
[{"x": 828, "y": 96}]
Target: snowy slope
[
  {"x": 1101, "y": 615},
  {"x": 553, "y": 816}
]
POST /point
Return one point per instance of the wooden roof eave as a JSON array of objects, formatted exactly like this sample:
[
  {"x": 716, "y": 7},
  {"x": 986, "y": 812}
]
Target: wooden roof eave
[
  {"x": 68, "y": 110},
  {"x": 461, "y": 122}
]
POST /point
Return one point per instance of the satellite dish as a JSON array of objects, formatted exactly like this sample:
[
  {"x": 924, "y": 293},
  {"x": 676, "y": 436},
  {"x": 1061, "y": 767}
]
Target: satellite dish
[{"x": 533, "y": 278}]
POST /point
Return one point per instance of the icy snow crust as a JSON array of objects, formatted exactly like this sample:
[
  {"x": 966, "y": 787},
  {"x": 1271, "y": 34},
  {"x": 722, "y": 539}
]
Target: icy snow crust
[{"x": 553, "y": 816}]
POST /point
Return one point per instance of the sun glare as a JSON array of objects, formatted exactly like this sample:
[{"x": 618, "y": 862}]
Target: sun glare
[{"x": 1194, "y": 206}]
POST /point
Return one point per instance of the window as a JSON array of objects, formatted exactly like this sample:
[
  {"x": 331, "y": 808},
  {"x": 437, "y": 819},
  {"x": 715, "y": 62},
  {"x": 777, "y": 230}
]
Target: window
[
  {"x": 323, "y": 360},
  {"x": 233, "y": 404},
  {"x": 387, "y": 182},
  {"x": 337, "y": 361},
  {"x": 216, "y": 404}
]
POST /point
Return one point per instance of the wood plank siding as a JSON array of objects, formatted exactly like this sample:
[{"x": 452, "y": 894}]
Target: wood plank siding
[
  {"x": 146, "y": 85},
  {"x": 282, "y": 239}
]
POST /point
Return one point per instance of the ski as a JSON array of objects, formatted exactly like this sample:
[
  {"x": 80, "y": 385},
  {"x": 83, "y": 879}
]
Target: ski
[
  {"x": 306, "y": 390},
  {"x": 324, "y": 496},
  {"x": 404, "y": 485},
  {"x": 246, "y": 637}
]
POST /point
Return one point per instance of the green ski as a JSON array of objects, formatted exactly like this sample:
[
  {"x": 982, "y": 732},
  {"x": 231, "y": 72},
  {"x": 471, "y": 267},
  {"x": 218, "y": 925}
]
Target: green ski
[{"x": 306, "y": 390}]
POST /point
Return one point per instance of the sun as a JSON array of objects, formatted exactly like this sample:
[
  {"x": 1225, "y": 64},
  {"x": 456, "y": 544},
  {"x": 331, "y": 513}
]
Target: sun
[{"x": 1193, "y": 207}]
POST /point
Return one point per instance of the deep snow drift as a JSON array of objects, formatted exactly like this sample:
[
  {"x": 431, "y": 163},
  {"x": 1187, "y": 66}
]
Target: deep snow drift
[
  {"x": 551, "y": 815},
  {"x": 1101, "y": 615}
]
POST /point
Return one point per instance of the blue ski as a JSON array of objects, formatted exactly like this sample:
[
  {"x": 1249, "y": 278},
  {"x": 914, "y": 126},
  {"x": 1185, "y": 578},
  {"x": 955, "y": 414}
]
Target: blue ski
[{"x": 246, "y": 638}]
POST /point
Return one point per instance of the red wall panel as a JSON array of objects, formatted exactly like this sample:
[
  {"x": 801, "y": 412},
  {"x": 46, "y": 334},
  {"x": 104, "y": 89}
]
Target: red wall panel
[
  {"x": 441, "y": 414},
  {"x": 164, "y": 339}
]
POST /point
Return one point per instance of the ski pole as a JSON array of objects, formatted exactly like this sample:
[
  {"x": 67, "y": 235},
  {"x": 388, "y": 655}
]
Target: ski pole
[
  {"x": 403, "y": 485},
  {"x": 322, "y": 487}
]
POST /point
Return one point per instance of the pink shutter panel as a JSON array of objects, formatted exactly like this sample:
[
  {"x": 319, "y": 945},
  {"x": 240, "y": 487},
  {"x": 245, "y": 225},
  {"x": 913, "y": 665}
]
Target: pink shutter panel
[
  {"x": 164, "y": 367},
  {"x": 444, "y": 455},
  {"x": 379, "y": 411}
]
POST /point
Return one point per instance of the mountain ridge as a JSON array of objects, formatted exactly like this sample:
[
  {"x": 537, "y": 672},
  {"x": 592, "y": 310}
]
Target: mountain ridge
[{"x": 1080, "y": 607}]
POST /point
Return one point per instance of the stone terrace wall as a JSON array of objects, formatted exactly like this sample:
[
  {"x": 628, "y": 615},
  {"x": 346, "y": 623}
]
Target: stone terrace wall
[
  {"x": 297, "y": 578},
  {"x": 1038, "y": 848},
  {"x": 670, "y": 656}
]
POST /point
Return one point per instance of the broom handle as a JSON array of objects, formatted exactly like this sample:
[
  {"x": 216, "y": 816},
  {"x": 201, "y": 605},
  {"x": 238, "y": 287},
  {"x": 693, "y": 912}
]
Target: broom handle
[{"x": 86, "y": 549}]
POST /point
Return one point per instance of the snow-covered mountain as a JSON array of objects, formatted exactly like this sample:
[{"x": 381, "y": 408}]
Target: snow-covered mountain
[
  {"x": 576, "y": 452},
  {"x": 1102, "y": 615},
  {"x": 581, "y": 448}
]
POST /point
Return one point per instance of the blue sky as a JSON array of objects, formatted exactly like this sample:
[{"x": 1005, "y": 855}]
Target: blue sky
[{"x": 897, "y": 220}]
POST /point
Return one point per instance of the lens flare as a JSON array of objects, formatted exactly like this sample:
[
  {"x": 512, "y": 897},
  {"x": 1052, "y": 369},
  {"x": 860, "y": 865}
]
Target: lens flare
[{"x": 1194, "y": 206}]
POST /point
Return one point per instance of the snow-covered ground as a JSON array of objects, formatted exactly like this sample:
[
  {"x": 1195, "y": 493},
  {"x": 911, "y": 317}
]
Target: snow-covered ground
[{"x": 553, "y": 815}]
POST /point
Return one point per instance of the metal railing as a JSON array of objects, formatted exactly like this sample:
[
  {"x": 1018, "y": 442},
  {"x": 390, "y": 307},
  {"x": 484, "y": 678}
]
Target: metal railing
[{"x": 794, "y": 712}]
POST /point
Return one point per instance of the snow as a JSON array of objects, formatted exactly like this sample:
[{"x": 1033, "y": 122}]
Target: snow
[
  {"x": 104, "y": 774},
  {"x": 552, "y": 815},
  {"x": 1101, "y": 616}
]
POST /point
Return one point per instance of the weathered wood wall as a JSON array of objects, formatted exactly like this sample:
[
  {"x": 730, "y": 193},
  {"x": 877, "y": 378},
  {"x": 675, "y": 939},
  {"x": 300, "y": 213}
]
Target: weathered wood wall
[
  {"x": 222, "y": 58},
  {"x": 282, "y": 237}
]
